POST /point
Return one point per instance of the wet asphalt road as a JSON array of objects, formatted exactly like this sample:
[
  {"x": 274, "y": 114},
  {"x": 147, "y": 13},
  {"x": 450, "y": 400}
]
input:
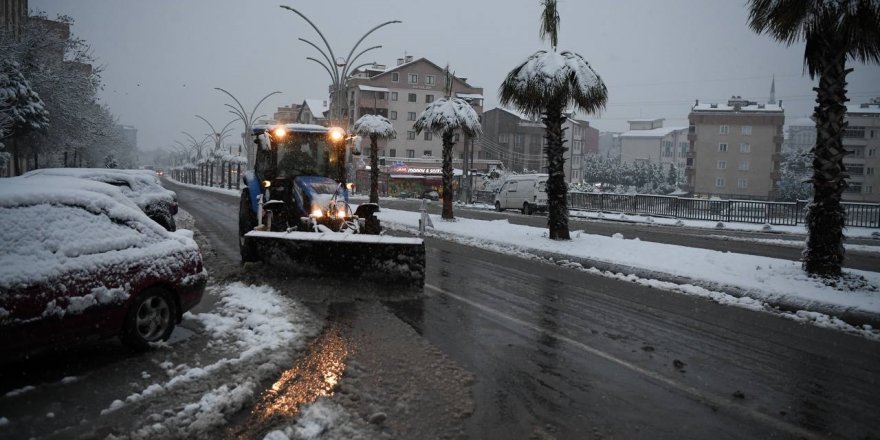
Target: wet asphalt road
[{"x": 558, "y": 353}]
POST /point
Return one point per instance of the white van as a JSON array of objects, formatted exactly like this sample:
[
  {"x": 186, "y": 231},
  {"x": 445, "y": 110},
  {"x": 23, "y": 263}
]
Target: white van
[{"x": 526, "y": 192}]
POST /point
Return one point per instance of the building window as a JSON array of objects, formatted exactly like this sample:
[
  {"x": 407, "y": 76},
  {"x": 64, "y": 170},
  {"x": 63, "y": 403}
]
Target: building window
[
  {"x": 745, "y": 147},
  {"x": 854, "y": 187},
  {"x": 411, "y": 116},
  {"x": 380, "y": 95},
  {"x": 723, "y": 129},
  {"x": 395, "y": 77},
  {"x": 684, "y": 148},
  {"x": 410, "y": 153},
  {"x": 857, "y": 151},
  {"x": 426, "y": 153},
  {"x": 411, "y": 97},
  {"x": 869, "y": 171},
  {"x": 872, "y": 152},
  {"x": 722, "y": 147},
  {"x": 429, "y": 136},
  {"x": 719, "y": 182},
  {"x": 429, "y": 80},
  {"x": 503, "y": 138},
  {"x": 746, "y": 130},
  {"x": 856, "y": 170},
  {"x": 429, "y": 99},
  {"x": 456, "y": 137},
  {"x": 413, "y": 78},
  {"x": 392, "y": 152},
  {"x": 744, "y": 165},
  {"x": 742, "y": 183},
  {"x": 410, "y": 135},
  {"x": 392, "y": 115},
  {"x": 722, "y": 164},
  {"x": 854, "y": 132},
  {"x": 394, "y": 96},
  {"x": 869, "y": 189}
]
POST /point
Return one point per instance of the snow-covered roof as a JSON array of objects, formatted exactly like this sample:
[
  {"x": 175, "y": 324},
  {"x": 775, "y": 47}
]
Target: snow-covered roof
[
  {"x": 54, "y": 226},
  {"x": 317, "y": 106},
  {"x": 372, "y": 89},
  {"x": 141, "y": 186},
  {"x": 856, "y": 108},
  {"x": 516, "y": 113},
  {"x": 469, "y": 95},
  {"x": 652, "y": 133},
  {"x": 800, "y": 122},
  {"x": 757, "y": 108}
]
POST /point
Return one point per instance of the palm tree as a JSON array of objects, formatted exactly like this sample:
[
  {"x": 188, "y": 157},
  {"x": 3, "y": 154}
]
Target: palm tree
[
  {"x": 374, "y": 127},
  {"x": 443, "y": 117},
  {"x": 834, "y": 31},
  {"x": 546, "y": 85}
]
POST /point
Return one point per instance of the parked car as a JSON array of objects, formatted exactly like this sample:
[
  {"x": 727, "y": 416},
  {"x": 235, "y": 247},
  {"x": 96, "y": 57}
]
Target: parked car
[
  {"x": 430, "y": 194},
  {"x": 526, "y": 192},
  {"x": 78, "y": 260},
  {"x": 141, "y": 186}
]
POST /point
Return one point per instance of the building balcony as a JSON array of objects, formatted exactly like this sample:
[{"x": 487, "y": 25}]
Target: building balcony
[{"x": 692, "y": 137}]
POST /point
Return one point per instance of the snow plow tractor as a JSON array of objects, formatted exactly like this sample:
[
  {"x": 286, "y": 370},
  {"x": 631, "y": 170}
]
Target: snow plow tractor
[{"x": 292, "y": 212}]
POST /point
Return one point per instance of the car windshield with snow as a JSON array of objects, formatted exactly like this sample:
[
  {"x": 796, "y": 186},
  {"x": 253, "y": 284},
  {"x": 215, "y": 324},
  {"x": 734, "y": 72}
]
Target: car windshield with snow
[{"x": 80, "y": 260}]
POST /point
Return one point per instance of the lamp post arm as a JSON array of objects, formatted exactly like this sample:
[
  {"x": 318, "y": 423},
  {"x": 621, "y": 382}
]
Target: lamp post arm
[
  {"x": 348, "y": 59},
  {"x": 240, "y": 106},
  {"x": 209, "y": 124},
  {"x": 334, "y": 75},
  {"x": 251, "y": 121},
  {"x": 235, "y": 111},
  {"x": 325, "y": 68},
  {"x": 329, "y": 49},
  {"x": 345, "y": 70}
]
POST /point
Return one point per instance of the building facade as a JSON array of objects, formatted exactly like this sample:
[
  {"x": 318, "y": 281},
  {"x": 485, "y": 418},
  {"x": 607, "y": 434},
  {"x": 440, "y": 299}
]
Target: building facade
[
  {"x": 13, "y": 15},
  {"x": 401, "y": 93},
  {"x": 800, "y": 135},
  {"x": 735, "y": 149},
  {"x": 610, "y": 145},
  {"x": 314, "y": 111},
  {"x": 862, "y": 143},
  {"x": 287, "y": 114},
  {"x": 648, "y": 141},
  {"x": 517, "y": 141}
]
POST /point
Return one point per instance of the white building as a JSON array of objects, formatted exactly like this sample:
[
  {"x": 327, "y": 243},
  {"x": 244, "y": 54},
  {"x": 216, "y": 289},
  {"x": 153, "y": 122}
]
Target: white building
[{"x": 648, "y": 141}]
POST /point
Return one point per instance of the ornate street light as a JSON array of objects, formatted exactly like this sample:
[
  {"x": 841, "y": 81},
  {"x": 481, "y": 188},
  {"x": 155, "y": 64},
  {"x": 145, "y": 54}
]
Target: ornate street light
[{"x": 248, "y": 119}]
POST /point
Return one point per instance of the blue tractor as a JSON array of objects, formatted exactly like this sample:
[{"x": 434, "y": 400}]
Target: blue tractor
[{"x": 290, "y": 209}]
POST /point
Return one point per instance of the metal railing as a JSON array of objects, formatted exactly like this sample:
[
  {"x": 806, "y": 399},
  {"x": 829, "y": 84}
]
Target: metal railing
[{"x": 866, "y": 215}]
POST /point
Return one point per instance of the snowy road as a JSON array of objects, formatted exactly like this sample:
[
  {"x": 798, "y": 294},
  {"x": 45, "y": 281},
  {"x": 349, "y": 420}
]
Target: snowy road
[{"x": 557, "y": 353}]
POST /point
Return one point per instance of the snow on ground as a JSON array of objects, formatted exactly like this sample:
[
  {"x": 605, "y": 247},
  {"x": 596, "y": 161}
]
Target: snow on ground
[
  {"x": 795, "y": 243},
  {"x": 258, "y": 332},
  {"x": 323, "y": 419},
  {"x": 757, "y": 279}
]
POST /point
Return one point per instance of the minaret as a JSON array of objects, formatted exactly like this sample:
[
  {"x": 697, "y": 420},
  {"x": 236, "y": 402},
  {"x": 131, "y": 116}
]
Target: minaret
[{"x": 772, "y": 91}]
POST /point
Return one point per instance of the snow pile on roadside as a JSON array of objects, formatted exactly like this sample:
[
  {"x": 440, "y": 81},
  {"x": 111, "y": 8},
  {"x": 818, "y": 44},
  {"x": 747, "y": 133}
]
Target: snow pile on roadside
[
  {"x": 761, "y": 278},
  {"x": 262, "y": 329},
  {"x": 323, "y": 419},
  {"x": 229, "y": 192}
]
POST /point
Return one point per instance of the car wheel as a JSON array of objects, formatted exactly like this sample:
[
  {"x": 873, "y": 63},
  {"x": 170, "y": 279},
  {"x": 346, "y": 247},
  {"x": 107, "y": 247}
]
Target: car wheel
[
  {"x": 498, "y": 206},
  {"x": 150, "y": 318},
  {"x": 247, "y": 221},
  {"x": 527, "y": 209}
]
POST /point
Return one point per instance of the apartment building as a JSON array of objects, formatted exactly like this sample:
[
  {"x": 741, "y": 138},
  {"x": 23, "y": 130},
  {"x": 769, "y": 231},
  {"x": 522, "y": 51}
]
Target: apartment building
[
  {"x": 800, "y": 135},
  {"x": 314, "y": 111},
  {"x": 518, "y": 142},
  {"x": 13, "y": 15},
  {"x": 862, "y": 143},
  {"x": 648, "y": 141},
  {"x": 734, "y": 149},
  {"x": 610, "y": 145},
  {"x": 287, "y": 114},
  {"x": 401, "y": 93}
]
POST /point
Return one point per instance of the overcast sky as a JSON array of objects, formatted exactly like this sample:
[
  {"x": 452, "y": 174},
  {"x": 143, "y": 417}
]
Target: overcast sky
[{"x": 162, "y": 58}]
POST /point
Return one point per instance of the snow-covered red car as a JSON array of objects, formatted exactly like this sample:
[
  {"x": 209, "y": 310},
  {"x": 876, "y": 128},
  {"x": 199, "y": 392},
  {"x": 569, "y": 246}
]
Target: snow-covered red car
[
  {"x": 141, "y": 186},
  {"x": 78, "y": 259}
]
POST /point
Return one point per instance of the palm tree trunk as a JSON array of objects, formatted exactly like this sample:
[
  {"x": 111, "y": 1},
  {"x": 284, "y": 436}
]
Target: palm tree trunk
[
  {"x": 826, "y": 217},
  {"x": 557, "y": 190},
  {"x": 447, "y": 175},
  {"x": 374, "y": 168}
]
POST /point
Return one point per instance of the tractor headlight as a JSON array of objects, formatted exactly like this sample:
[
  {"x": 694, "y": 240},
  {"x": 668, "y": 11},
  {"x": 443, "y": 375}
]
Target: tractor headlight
[
  {"x": 340, "y": 213},
  {"x": 317, "y": 213}
]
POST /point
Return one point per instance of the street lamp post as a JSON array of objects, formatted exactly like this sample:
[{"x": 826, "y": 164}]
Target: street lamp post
[
  {"x": 218, "y": 137},
  {"x": 198, "y": 146},
  {"x": 339, "y": 69},
  {"x": 247, "y": 119}
]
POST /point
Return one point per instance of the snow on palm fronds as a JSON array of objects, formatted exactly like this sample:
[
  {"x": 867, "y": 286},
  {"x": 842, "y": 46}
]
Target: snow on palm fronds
[
  {"x": 369, "y": 125},
  {"x": 449, "y": 114},
  {"x": 565, "y": 78}
]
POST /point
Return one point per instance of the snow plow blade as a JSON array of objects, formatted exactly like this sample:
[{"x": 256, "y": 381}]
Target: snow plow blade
[{"x": 362, "y": 254}]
